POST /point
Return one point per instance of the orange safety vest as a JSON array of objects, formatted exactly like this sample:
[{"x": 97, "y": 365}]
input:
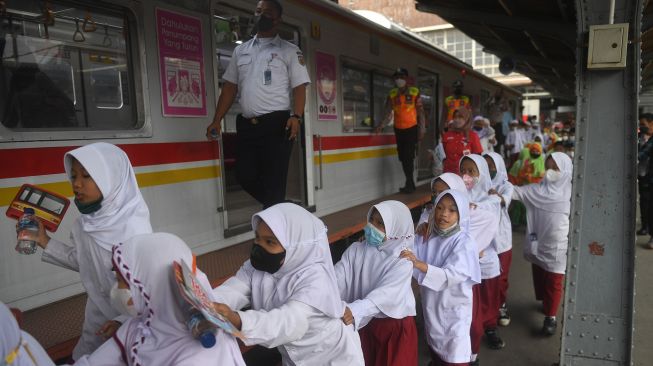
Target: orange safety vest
[
  {"x": 454, "y": 103},
  {"x": 404, "y": 107}
]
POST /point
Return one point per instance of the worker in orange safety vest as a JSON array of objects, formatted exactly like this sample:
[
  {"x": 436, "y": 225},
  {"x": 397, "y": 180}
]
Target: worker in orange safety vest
[{"x": 404, "y": 107}]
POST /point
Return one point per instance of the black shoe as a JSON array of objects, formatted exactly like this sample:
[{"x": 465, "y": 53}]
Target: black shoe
[
  {"x": 504, "y": 317},
  {"x": 642, "y": 231},
  {"x": 549, "y": 326},
  {"x": 407, "y": 189},
  {"x": 493, "y": 339}
]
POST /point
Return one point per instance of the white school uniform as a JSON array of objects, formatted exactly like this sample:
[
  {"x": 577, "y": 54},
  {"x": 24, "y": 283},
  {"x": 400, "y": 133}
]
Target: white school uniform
[
  {"x": 547, "y": 218},
  {"x": 159, "y": 335},
  {"x": 502, "y": 241},
  {"x": 375, "y": 282},
  {"x": 19, "y": 348},
  {"x": 298, "y": 308},
  {"x": 446, "y": 287},
  {"x": 478, "y": 195},
  {"x": 123, "y": 214}
]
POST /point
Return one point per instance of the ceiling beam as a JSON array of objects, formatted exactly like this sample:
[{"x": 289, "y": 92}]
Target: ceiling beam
[{"x": 565, "y": 32}]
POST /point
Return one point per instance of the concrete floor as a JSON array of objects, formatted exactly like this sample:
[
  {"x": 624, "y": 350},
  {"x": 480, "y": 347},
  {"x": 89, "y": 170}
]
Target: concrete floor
[{"x": 524, "y": 346}]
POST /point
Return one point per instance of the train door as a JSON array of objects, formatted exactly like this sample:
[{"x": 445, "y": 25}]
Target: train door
[
  {"x": 427, "y": 82},
  {"x": 231, "y": 27}
]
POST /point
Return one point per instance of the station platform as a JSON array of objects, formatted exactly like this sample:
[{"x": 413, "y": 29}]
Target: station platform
[{"x": 57, "y": 327}]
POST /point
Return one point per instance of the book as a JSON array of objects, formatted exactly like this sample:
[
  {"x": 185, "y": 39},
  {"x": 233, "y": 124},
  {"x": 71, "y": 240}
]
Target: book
[{"x": 197, "y": 296}]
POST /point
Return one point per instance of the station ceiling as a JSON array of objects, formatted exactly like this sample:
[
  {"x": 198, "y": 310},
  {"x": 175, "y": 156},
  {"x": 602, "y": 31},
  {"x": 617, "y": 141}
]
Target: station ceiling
[{"x": 540, "y": 35}]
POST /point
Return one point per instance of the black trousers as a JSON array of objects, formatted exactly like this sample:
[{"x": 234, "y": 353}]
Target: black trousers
[
  {"x": 645, "y": 202},
  {"x": 262, "y": 156},
  {"x": 406, "y": 148},
  {"x": 498, "y": 133}
]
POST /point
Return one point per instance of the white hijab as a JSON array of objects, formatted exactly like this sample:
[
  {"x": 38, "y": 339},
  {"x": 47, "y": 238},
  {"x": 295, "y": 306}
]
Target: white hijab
[
  {"x": 500, "y": 181},
  {"x": 484, "y": 219},
  {"x": 124, "y": 213},
  {"x": 307, "y": 273},
  {"x": 377, "y": 277},
  {"x": 398, "y": 222},
  {"x": 479, "y": 193},
  {"x": 18, "y": 348},
  {"x": 436, "y": 249},
  {"x": 158, "y": 335},
  {"x": 552, "y": 196}
]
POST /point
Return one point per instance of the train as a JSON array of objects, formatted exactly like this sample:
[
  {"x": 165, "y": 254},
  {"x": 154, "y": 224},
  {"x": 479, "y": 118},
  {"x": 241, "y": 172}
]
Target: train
[{"x": 145, "y": 75}]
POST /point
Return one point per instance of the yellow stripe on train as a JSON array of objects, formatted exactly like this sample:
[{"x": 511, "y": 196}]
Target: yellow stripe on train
[
  {"x": 144, "y": 180},
  {"x": 364, "y": 154}
]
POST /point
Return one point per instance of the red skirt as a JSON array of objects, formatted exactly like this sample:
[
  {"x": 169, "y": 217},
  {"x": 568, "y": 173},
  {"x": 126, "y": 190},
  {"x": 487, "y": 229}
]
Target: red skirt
[
  {"x": 490, "y": 302},
  {"x": 388, "y": 341},
  {"x": 437, "y": 361},
  {"x": 476, "y": 330},
  {"x": 505, "y": 259},
  {"x": 549, "y": 287}
]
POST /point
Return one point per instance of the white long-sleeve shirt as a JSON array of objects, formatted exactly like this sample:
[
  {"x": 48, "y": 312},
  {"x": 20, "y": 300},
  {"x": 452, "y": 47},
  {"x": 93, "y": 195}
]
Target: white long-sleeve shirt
[
  {"x": 302, "y": 334},
  {"x": 95, "y": 270}
]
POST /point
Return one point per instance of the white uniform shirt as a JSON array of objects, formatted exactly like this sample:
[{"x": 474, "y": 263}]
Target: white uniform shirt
[
  {"x": 95, "y": 270},
  {"x": 247, "y": 69}
]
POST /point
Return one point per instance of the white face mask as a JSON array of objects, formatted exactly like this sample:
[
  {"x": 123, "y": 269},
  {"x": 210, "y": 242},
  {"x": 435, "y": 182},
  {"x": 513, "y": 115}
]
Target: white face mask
[
  {"x": 400, "y": 83},
  {"x": 552, "y": 175},
  {"x": 120, "y": 301}
]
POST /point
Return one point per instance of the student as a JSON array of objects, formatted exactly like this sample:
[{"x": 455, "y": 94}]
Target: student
[
  {"x": 511, "y": 141},
  {"x": 290, "y": 285},
  {"x": 502, "y": 241},
  {"x": 485, "y": 132},
  {"x": 376, "y": 285},
  {"x": 459, "y": 141},
  {"x": 548, "y": 206},
  {"x": 446, "y": 268},
  {"x": 113, "y": 210},
  {"x": 476, "y": 175},
  {"x": 156, "y": 333},
  {"x": 18, "y": 348}
]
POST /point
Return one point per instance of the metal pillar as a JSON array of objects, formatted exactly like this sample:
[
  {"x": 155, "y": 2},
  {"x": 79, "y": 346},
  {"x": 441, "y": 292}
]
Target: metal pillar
[{"x": 598, "y": 307}]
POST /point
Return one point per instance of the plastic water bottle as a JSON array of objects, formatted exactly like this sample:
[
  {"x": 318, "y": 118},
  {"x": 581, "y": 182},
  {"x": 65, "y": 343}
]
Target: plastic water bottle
[
  {"x": 27, "y": 222},
  {"x": 201, "y": 329}
]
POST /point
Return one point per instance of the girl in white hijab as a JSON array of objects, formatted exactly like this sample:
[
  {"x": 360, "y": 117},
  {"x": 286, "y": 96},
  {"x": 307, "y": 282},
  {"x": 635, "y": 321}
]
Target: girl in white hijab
[
  {"x": 290, "y": 285},
  {"x": 18, "y": 348},
  {"x": 446, "y": 268},
  {"x": 502, "y": 241},
  {"x": 113, "y": 210},
  {"x": 547, "y": 213},
  {"x": 157, "y": 334},
  {"x": 376, "y": 285},
  {"x": 476, "y": 176}
]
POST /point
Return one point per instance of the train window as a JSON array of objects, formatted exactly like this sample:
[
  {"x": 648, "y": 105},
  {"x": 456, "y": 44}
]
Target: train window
[
  {"x": 66, "y": 67},
  {"x": 357, "y": 97},
  {"x": 382, "y": 86}
]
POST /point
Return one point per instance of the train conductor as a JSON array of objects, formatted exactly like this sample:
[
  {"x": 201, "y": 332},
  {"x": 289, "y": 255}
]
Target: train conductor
[{"x": 264, "y": 70}]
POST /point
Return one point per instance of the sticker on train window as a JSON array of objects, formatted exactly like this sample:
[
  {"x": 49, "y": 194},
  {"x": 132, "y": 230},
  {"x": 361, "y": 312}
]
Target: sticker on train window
[{"x": 50, "y": 207}]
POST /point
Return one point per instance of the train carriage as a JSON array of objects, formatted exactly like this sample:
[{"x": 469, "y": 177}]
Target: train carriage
[{"x": 145, "y": 75}]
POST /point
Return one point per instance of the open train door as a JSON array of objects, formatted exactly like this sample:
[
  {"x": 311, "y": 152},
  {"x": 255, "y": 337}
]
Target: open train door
[
  {"x": 231, "y": 27},
  {"x": 427, "y": 82}
]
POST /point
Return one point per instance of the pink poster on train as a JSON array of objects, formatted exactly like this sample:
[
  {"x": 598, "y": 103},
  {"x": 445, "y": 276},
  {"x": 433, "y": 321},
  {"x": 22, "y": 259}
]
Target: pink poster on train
[
  {"x": 327, "y": 107},
  {"x": 181, "y": 61}
]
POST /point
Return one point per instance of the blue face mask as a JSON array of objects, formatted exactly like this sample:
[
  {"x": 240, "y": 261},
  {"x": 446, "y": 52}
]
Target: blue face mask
[{"x": 373, "y": 236}]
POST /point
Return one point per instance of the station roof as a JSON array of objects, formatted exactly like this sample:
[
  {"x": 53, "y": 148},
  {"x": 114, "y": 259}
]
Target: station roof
[{"x": 540, "y": 35}]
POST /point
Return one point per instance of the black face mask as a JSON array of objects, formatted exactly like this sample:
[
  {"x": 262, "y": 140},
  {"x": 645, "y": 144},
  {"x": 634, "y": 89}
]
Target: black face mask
[
  {"x": 478, "y": 128},
  {"x": 265, "y": 261},
  {"x": 493, "y": 173},
  {"x": 262, "y": 23},
  {"x": 535, "y": 156},
  {"x": 643, "y": 129}
]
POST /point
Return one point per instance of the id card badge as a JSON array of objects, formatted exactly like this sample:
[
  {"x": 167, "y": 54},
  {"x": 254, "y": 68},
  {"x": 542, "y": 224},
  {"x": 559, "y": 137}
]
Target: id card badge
[{"x": 267, "y": 77}]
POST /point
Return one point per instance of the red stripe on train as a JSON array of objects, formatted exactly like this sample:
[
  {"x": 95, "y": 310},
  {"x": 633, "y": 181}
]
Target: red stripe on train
[
  {"x": 352, "y": 142},
  {"x": 49, "y": 160}
]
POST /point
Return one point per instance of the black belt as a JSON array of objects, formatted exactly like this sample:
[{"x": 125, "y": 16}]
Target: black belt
[{"x": 262, "y": 118}]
